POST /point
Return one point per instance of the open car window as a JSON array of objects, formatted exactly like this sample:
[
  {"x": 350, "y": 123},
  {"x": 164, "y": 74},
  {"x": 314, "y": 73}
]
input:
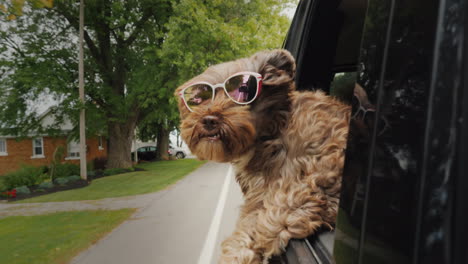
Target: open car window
[{"x": 324, "y": 37}]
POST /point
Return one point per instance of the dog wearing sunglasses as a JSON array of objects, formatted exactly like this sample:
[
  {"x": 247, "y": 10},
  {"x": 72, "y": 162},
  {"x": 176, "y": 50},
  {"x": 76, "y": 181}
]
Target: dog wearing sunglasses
[{"x": 287, "y": 149}]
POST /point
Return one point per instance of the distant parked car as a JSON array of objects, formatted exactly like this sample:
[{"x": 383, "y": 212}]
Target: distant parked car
[
  {"x": 146, "y": 153},
  {"x": 177, "y": 152}
]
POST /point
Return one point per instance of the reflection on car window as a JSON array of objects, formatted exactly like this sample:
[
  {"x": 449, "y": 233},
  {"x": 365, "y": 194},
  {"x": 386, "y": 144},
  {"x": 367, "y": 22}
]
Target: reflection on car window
[{"x": 342, "y": 86}]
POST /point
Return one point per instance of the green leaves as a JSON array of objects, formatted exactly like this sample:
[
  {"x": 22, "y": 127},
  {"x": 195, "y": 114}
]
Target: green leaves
[
  {"x": 200, "y": 34},
  {"x": 136, "y": 53},
  {"x": 14, "y": 8}
]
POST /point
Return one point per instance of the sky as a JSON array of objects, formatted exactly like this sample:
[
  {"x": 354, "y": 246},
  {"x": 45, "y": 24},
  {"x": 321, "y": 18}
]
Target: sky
[{"x": 289, "y": 11}]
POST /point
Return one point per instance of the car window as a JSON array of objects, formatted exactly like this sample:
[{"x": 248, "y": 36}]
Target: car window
[
  {"x": 384, "y": 152},
  {"x": 343, "y": 85},
  {"x": 329, "y": 43},
  {"x": 325, "y": 37}
]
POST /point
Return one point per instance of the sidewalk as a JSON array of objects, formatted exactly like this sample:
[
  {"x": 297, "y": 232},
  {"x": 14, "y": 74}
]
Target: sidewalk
[{"x": 136, "y": 201}]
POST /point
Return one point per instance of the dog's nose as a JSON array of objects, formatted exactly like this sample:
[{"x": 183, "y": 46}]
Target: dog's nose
[{"x": 210, "y": 122}]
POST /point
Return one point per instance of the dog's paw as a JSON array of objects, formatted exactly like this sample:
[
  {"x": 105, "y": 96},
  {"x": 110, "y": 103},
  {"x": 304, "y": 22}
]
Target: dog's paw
[{"x": 237, "y": 250}]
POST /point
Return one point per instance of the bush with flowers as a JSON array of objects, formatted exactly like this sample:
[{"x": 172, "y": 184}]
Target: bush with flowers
[{"x": 9, "y": 194}]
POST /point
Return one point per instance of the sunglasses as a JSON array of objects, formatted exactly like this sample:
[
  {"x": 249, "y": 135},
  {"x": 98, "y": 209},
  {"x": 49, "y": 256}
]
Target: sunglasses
[{"x": 242, "y": 88}]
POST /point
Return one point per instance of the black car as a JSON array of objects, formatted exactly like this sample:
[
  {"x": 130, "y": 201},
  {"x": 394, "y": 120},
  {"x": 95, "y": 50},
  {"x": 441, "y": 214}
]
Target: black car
[
  {"x": 402, "y": 64},
  {"x": 147, "y": 153}
]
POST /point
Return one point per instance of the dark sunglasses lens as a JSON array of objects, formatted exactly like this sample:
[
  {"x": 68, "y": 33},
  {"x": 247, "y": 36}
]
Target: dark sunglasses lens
[
  {"x": 198, "y": 94},
  {"x": 242, "y": 88}
]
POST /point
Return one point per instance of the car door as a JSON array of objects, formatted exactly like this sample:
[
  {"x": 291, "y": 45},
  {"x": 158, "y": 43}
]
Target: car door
[{"x": 406, "y": 154}]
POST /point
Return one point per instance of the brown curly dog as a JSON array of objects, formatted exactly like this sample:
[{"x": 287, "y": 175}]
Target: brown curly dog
[{"x": 287, "y": 149}]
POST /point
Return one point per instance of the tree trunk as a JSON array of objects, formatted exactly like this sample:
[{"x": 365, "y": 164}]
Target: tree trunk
[
  {"x": 163, "y": 143},
  {"x": 120, "y": 144}
]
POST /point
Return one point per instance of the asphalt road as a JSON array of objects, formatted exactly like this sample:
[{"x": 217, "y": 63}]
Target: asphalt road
[{"x": 184, "y": 225}]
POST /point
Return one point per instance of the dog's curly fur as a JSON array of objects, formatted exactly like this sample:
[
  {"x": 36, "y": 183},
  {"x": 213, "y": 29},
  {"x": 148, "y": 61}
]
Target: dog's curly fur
[{"x": 287, "y": 148}]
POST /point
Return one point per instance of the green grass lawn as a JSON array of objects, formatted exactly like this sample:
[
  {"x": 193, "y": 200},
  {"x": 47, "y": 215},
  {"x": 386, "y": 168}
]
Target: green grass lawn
[
  {"x": 54, "y": 238},
  {"x": 157, "y": 176}
]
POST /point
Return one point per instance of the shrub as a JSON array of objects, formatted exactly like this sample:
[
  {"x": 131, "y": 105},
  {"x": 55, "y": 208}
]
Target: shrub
[
  {"x": 25, "y": 176},
  {"x": 89, "y": 166},
  {"x": 91, "y": 174},
  {"x": 61, "y": 180},
  {"x": 99, "y": 163},
  {"x": 73, "y": 178},
  {"x": 22, "y": 190},
  {"x": 8, "y": 194},
  {"x": 2, "y": 185},
  {"x": 46, "y": 185},
  {"x": 44, "y": 176},
  {"x": 114, "y": 171},
  {"x": 66, "y": 170}
]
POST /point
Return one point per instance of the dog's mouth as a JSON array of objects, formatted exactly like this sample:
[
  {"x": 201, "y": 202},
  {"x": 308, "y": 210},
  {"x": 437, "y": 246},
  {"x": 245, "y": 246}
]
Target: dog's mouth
[
  {"x": 211, "y": 136},
  {"x": 220, "y": 141}
]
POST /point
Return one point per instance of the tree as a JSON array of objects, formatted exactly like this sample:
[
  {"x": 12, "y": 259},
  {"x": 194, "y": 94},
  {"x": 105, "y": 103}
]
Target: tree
[
  {"x": 15, "y": 7},
  {"x": 200, "y": 35},
  {"x": 136, "y": 53},
  {"x": 41, "y": 57}
]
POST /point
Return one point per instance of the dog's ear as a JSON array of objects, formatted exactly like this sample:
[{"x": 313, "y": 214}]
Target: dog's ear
[
  {"x": 272, "y": 108},
  {"x": 277, "y": 67}
]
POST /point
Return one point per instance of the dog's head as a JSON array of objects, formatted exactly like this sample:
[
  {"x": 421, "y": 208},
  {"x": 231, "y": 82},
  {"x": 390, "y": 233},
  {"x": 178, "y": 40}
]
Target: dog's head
[{"x": 221, "y": 129}]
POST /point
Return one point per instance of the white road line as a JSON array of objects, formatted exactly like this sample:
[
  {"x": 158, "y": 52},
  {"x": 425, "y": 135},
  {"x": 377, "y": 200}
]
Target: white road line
[{"x": 208, "y": 248}]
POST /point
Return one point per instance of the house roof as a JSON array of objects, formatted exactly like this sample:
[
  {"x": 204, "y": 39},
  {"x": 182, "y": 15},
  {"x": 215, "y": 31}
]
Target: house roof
[{"x": 47, "y": 119}]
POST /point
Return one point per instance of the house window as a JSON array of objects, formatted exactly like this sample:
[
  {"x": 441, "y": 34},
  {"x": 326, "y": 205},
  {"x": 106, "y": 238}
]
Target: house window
[
  {"x": 38, "y": 147},
  {"x": 101, "y": 146},
  {"x": 73, "y": 150},
  {"x": 3, "y": 147}
]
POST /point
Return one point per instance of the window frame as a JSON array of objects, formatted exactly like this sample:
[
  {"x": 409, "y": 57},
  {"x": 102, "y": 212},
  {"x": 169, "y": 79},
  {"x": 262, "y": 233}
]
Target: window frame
[
  {"x": 72, "y": 157},
  {"x": 316, "y": 67},
  {"x": 33, "y": 143},
  {"x": 4, "y": 153}
]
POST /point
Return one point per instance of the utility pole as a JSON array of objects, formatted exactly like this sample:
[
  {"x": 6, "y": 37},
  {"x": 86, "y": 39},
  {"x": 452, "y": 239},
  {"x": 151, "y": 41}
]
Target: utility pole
[{"x": 83, "y": 171}]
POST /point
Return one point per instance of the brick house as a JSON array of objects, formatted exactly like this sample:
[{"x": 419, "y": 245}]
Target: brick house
[{"x": 38, "y": 150}]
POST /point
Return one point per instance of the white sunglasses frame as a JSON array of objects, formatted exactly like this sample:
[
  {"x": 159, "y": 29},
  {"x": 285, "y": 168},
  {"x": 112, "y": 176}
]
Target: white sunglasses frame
[{"x": 257, "y": 76}]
